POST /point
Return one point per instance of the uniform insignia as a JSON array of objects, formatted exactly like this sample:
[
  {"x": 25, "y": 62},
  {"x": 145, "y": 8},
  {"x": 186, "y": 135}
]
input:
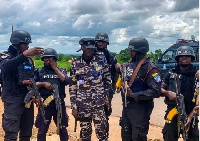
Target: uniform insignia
[
  {"x": 156, "y": 76},
  {"x": 99, "y": 68}
]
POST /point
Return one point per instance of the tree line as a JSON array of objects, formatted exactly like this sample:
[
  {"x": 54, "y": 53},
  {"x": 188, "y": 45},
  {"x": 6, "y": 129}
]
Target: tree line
[{"x": 64, "y": 61}]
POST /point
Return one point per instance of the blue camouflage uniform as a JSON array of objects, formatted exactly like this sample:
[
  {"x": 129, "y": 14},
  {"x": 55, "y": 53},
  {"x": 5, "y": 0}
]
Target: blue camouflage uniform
[{"x": 89, "y": 90}]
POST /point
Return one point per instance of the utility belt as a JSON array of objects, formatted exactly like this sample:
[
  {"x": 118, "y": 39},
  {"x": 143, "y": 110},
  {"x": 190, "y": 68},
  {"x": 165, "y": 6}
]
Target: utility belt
[{"x": 84, "y": 119}]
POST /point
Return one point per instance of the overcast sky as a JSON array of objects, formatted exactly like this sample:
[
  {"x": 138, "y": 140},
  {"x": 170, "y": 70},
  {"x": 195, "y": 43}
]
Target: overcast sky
[{"x": 60, "y": 24}]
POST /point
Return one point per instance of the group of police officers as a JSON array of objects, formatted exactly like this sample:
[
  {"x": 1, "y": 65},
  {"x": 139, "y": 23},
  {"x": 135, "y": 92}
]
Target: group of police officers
[{"x": 92, "y": 80}]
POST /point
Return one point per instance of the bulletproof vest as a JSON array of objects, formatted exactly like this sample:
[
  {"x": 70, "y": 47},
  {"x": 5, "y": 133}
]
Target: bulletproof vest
[
  {"x": 49, "y": 75},
  {"x": 186, "y": 84},
  {"x": 171, "y": 87},
  {"x": 25, "y": 71},
  {"x": 138, "y": 84}
]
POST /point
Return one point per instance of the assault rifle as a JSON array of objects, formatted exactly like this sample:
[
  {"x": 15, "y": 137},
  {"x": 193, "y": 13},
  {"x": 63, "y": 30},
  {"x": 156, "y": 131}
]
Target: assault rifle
[
  {"x": 181, "y": 109},
  {"x": 34, "y": 94},
  {"x": 58, "y": 107},
  {"x": 124, "y": 83}
]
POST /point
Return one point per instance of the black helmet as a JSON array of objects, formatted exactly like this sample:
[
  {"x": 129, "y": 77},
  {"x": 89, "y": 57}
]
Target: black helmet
[
  {"x": 20, "y": 36},
  {"x": 185, "y": 51},
  {"x": 139, "y": 45},
  {"x": 87, "y": 42},
  {"x": 50, "y": 52},
  {"x": 101, "y": 36}
]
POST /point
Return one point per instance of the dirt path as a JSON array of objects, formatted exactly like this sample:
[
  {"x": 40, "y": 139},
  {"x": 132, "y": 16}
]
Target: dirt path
[{"x": 115, "y": 130}]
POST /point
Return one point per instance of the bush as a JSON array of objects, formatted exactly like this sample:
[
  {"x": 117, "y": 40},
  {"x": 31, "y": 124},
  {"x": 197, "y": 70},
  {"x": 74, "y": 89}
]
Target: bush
[{"x": 62, "y": 64}]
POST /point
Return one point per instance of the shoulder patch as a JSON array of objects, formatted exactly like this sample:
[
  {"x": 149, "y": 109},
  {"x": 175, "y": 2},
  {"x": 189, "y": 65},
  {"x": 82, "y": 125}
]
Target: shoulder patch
[{"x": 156, "y": 76}]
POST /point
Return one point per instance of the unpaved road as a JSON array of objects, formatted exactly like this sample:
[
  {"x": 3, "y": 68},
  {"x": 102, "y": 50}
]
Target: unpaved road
[{"x": 154, "y": 131}]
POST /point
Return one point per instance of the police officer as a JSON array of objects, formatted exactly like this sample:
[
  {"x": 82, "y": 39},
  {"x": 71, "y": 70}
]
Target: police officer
[
  {"x": 101, "y": 41},
  {"x": 45, "y": 77},
  {"x": 184, "y": 57},
  {"x": 17, "y": 68},
  {"x": 89, "y": 90},
  {"x": 139, "y": 101}
]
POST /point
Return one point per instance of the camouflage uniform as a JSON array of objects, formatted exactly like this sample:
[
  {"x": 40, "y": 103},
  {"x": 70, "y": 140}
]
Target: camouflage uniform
[{"x": 89, "y": 90}]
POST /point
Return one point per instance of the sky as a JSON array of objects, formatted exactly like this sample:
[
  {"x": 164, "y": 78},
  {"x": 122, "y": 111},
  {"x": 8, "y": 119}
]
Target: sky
[{"x": 60, "y": 24}]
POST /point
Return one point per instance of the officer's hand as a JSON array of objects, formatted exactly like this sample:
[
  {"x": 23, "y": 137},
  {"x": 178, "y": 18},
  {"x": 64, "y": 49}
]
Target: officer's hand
[
  {"x": 196, "y": 108},
  {"x": 48, "y": 86},
  {"x": 75, "y": 113},
  {"x": 129, "y": 92},
  {"x": 118, "y": 68},
  {"x": 36, "y": 101},
  {"x": 52, "y": 63},
  {"x": 187, "y": 125},
  {"x": 108, "y": 103},
  {"x": 33, "y": 51},
  {"x": 27, "y": 82},
  {"x": 171, "y": 95}
]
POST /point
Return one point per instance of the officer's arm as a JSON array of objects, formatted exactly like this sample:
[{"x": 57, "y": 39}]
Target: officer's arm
[
  {"x": 13, "y": 64},
  {"x": 153, "y": 81},
  {"x": 165, "y": 83},
  {"x": 164, "y": 92},
  {"x": 60, "y": 74},
  {"x": 73, "y": 86},
  {"x": 107, "y": 80}
]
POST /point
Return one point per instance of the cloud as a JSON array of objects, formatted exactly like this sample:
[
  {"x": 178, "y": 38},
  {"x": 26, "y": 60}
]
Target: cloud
[{"x": 61, "y": 24}]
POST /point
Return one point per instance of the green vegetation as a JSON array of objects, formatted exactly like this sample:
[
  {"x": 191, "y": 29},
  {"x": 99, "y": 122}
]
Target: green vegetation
[
  {"x": 62, "y": 62},
  {"x": 122, "y": 57}
]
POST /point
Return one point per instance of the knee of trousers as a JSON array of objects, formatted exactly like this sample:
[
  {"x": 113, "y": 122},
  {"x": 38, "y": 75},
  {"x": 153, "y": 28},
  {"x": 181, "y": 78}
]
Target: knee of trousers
[
  {"x": 63, "y": 131},
  {"x": 10, "y": 124},
  {"x": 42, "y": 130},
  {"x": 10, "y": 136},
  {"x": 86, "y": 133}
]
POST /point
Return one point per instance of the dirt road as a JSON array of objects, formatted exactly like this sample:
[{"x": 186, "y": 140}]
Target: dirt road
[{"x": 154, "y": 131}]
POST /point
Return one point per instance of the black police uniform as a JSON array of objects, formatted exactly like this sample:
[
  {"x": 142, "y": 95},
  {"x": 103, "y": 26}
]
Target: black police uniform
[
  {"x": 16, "y": 117},
  {"x": 46, "y": 74},
  {"x": 187, "y": 83},
  {"x": 136, "y": 116}
]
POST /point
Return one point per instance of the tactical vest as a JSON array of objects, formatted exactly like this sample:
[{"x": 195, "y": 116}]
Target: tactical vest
[
  {"x": 187, "y": 87},
  {"x": 25, "y": 71},
  {"x": 171, "y": 87},
  {"x": 139, "y": 83},
  {"x": 49, "y": 75}
]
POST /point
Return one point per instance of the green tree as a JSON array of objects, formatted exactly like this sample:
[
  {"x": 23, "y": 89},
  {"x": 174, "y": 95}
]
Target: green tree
[
  {"x": 155, "y": 55},
  {"x": 37, "y": 57},
  {"x": 124, "y": 56}
]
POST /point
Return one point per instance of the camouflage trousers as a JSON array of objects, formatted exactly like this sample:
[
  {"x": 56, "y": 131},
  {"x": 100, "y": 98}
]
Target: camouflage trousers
[{"x": 97, "y": 115}]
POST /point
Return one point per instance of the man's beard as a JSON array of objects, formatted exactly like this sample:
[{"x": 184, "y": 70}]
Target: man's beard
[
  {"x": 47, "y": 65},
  {"x": 184, "y": 65},
  {"x": 100, "y": 49}
]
